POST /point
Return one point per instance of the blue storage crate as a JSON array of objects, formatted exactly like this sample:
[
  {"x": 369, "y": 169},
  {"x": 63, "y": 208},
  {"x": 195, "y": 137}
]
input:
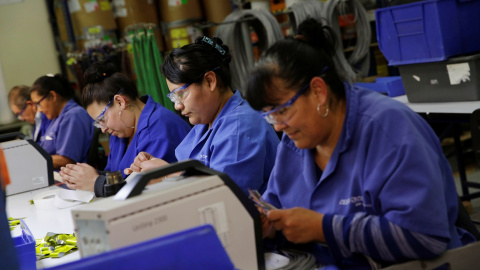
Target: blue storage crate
[
  {"x": 25, "y": 246},
  {"x": 195, "y": 248},
  {"x": 428, "y": 31},
  {"x": 390, "y": 86}
]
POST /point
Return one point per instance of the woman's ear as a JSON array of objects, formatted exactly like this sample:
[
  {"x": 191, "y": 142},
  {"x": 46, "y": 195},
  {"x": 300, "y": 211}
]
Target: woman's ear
[
  {"x": 121, "y": 101},
  {"x": 54, "y": 95},
  {"x": 319, "y": 89},
  {"x": 211, "y": 80}
]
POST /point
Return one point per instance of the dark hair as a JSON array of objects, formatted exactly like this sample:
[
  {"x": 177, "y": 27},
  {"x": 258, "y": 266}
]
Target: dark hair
[
  {"x": 296, "y": 61},
  {"x": 189, "y": 63},
  {"x": 57, "y": 83},
  {"x": 104, "y": 81},
  {"x": 19, "y": 95}
]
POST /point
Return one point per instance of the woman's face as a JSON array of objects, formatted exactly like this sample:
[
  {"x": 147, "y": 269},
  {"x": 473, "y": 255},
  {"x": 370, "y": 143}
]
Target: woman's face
[
  {"x": 45, "y": 104},
  {"x": 196, "y": 102},
  {"x": 110, "y": 120},
  {"x": 302, "y": 124}
]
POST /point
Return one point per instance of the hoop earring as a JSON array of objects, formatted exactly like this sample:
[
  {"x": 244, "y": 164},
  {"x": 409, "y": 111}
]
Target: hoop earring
[
  {"x": 120, "y": 117},
  {"x": 322, "y": 115}
]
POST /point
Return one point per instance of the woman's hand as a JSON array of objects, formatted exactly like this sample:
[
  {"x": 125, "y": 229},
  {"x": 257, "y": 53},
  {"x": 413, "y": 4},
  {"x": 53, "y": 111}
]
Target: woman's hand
[
  {"x": 267, "y": 229},
  {"x": 79, "y": 176},
  {"x": 299, "y": 225},
  {"x": 145, "y": 162}
]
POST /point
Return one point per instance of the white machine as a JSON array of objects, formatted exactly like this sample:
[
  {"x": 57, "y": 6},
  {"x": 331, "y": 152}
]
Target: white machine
[
  {"x": 200, "y": 196},
  {"x": 30, "y": 167}
]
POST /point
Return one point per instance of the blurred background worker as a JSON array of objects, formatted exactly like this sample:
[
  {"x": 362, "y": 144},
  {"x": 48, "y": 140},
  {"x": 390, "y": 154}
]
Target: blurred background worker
[
  {"x": 25, "y": 110},
  {"x": 70, "y": 131}
]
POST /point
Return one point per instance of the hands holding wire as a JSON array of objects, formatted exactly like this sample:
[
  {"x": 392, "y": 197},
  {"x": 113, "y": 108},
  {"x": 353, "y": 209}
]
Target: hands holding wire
[
  {"x": 299, "y": 225},
  {"x": 79, "y": 176}
]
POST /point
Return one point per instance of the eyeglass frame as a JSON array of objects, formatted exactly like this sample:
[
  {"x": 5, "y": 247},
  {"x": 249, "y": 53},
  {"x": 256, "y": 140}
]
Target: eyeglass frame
[
  {"x": 288, "y": 103},
  {"x": 302, "y": 90},
  {"x": 173, "y": 96},
  {"x": 96, "y": 122},
  {"x": 38, "y": 102},
  {"x": 18, "y": 115}
]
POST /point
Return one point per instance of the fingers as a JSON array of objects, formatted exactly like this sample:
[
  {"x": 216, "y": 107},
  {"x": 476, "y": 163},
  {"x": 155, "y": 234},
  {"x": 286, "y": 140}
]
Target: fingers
[
  {"x": 276, "y": 217},
  {"x": 143, "y": 156},
  {"x": 135, "y": 168},
  {"x": 84, "y": 165},
  {"x": 70, "y": 185},
  {"x": 127, "y": 171}
]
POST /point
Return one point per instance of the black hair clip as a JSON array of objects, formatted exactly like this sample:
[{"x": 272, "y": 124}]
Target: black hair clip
[{"x": 214, "y": 44}]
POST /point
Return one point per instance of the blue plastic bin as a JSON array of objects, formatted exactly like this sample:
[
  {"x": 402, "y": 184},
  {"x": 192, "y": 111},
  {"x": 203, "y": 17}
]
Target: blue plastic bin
[
  {"x": 390, "y": 86},
  {"x": 428, "y": 31},
  {"x": 195, "y": 248},
  {"x": 25, "y": 246}
]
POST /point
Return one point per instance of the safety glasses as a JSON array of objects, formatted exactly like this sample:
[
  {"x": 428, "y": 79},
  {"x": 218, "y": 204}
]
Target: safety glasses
[
  {"x": 100, "y": 120},
  {"x": 178, "y": 95}
]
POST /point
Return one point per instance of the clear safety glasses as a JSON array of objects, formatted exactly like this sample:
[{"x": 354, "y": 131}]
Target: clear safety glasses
[
  {"x": 281, "y": 114},
  {"x": 177, "y": 95},
  {"x": 100, "y": 120}
]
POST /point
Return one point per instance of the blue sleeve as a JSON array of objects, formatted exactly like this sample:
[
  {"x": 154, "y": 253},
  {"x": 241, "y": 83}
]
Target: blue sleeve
[
  {"x": 160, "y": 147},
  {"x": 378, "y": 238},
  {"x": 74, "y": 137},
  {"x": 163, "y": 136},
  {"x": 244, "y": 152}
]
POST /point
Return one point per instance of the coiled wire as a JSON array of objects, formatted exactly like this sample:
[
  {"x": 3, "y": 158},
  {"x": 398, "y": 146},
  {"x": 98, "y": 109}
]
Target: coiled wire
[
  {"x": 304, "y": 10},
  {"x": 358, "y": 62},
  {"x": 297, "y": 260},
  {"x": 236, "y": 35},
  {"x": 235, "y": 32}
]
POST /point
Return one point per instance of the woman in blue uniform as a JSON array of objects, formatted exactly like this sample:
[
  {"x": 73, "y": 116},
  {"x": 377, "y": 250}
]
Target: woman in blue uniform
[
  {"x": 228, "y": 135},
  {"x": 69, "y": 134},
  {"x": 135, "y": 124},
  {"x": 355, "y": 170}
]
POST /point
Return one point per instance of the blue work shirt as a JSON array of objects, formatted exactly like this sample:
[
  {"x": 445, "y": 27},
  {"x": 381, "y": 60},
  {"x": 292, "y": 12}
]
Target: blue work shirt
[
  {"x": 159, "y": 132},
  {"x": 387, "y": 162},
  {"x": 240, "y": 143},
  {"x": 40, "y": 127},
  {"x": 69, "y": 134}
]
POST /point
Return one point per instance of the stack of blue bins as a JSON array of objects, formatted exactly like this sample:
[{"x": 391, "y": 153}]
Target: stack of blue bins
[{"x": 436, "y": 46}]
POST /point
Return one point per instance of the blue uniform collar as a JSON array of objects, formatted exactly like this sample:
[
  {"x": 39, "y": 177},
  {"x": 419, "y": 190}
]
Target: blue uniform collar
[
  {"x": 144, "y": 119},
  {"x": 231, "y": 104},
  {"x": 351, "y": 96},
  {"x": 351, "y": 99},
  {"x": 70, "y": 104}
]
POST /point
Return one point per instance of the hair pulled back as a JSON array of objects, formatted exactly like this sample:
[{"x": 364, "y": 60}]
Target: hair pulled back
[
  {"x": 104, "y": 82},
  {"x": 189, "y": 63},
  {"x": 296, "y": 61},
  {"x": 57, "y": 83}
]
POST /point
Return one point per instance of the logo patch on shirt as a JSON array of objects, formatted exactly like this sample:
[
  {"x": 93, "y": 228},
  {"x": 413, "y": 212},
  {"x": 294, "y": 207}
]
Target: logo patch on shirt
[
  {"x": 203, "y": 159},
  {"x": 355, "y": 200}
]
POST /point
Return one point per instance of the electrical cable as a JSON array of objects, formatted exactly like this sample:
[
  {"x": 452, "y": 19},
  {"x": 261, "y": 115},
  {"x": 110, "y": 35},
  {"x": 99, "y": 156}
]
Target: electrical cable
[
  {"x": 359, "y": 61},
  {"x": 235, "y": 32},
  {"x": 297, "y": 260},
  {"x": 303, "y": 10}
]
